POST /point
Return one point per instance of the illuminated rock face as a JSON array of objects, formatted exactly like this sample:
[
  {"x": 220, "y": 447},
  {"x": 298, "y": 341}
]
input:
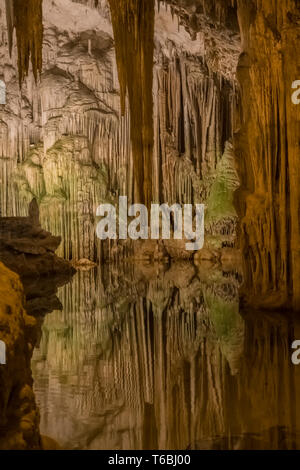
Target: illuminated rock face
[
  {"x": 19, "y": 417},
  {"x": 66, "y": 143},
  {"x": 61, "y": 140},
  {"x": 267, "y": 149}
]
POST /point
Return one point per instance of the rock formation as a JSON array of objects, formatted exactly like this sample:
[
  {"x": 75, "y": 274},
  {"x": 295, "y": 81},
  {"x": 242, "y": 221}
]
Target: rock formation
[
  {"x": 19, "y": 416},
  {"x": 29, "y": 251},
  {"x": 267, "y": 149}
]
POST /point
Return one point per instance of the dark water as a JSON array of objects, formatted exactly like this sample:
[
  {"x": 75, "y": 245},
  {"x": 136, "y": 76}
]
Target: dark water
[{"x": 159, "y": 357}]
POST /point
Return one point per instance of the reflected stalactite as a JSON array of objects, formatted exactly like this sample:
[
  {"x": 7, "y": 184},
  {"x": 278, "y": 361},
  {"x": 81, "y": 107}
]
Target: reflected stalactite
[
  {"x": 129, "y": 341},
  {"x": 133, "y": 24},
  {"x": 139, "y": 360},
  {"x": 27, "y": 18}
]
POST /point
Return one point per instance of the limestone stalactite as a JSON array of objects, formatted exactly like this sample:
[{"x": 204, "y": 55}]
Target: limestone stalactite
[
  {"x": 194, "y": 113},
  {"x": 27, "y": 18},
  {"x": 133, "y": 24}
]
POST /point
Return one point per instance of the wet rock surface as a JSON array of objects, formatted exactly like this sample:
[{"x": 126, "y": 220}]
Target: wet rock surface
[{"x": 19, "y": 416}]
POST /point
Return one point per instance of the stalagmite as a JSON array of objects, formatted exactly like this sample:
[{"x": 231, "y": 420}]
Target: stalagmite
[{"x": 133, "y": 24}]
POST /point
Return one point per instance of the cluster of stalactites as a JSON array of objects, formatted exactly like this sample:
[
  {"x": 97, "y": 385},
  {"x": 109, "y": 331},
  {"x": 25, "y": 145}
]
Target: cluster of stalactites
[
  {"x": 133, "y": 24},
  {"x": 27, "y": 18},
  {"x": 216, "y": 10}
]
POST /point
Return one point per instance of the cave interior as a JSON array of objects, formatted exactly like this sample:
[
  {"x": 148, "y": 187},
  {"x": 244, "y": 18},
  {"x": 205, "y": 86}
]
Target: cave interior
[{"x": 167, "y": 101}]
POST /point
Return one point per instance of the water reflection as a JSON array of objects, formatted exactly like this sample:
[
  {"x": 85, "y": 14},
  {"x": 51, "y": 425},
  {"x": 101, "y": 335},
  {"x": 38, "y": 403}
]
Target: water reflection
[{"x": 159, "y": 357}]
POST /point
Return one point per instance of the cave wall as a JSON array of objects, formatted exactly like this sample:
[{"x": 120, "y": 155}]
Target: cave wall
[
  {"x": 64, "y": 139},
  {"x": 61, "y": 136},
  {"x": 267, "y": 149}
]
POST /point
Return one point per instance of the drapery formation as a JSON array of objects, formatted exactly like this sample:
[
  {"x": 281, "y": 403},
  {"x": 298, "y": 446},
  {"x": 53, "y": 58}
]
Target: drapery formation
[
  {"x": 133, "y": 24},
  {"x": 27, "y": 18}
]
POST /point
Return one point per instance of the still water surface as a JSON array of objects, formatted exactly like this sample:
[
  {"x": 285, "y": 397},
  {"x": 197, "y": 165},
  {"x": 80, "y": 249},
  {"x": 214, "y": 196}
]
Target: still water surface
[{"x": 159, "y": 357}]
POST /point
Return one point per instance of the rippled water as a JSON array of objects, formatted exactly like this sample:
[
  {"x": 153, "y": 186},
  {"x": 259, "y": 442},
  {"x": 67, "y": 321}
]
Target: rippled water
[{"x": 159, "y": 357}]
